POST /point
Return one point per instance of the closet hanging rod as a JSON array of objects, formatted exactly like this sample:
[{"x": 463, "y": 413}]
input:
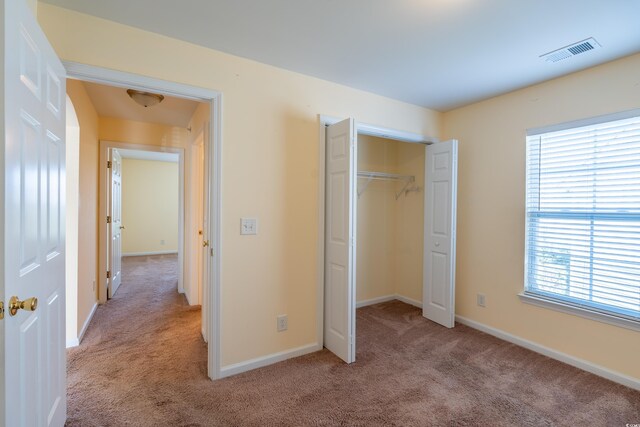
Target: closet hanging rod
[{"x": 385, "y": 176}]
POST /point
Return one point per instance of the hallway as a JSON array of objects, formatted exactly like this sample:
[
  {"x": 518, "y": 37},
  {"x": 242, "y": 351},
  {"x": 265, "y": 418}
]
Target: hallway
[{"x": 138, "y": 349}]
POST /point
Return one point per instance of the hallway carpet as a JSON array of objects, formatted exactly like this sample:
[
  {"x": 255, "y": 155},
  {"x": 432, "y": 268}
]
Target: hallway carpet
[{"x": 143, "y": 363}]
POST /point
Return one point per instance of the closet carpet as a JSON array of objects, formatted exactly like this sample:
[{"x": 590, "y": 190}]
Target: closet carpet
[{"x": 143, "y": 363}]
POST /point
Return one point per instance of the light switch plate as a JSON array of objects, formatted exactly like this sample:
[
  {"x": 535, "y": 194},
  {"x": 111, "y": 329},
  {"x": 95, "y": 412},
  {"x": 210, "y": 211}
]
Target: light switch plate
[{"x": 248, "y": 226}]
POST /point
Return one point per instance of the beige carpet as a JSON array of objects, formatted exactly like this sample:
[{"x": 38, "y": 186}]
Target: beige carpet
[{"x": 143, "y": 363}]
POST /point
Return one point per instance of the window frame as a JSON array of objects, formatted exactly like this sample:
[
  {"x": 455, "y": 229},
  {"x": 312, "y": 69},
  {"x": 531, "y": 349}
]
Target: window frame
[{"x": 557, "y": 303}]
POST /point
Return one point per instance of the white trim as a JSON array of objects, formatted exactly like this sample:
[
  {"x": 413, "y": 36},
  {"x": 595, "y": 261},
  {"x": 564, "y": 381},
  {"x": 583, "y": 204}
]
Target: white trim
[
  {"x": 213, "y": 308},
  {"x": 554, "y": 354},
  {"x": 214, "y": 98},
  {"x": 382, "y": 132},
  {"x": 387, "y": 298},
  {"x": 409, "y": 301},
  {"x": 584, "y": 122},
  {"x": 322, "y": 138},
  {"x": 74, "y": 342},
  {"x": 148, "y": 253},
  {"x": 585, "y": 312},
  {"x": 373, "y": 301},
  {"x": 259, "y": 362},
  {"x": 90, "y": 73}
]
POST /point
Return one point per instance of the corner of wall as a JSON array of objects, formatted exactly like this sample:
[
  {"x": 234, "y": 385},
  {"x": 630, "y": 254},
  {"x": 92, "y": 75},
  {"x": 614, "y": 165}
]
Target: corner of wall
[{"x": 88, "y": 208}]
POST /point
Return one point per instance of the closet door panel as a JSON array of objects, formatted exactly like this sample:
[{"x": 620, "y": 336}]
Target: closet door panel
[
  {"x": 440, "y": 233},
  {"x": 339, "y": 275}
]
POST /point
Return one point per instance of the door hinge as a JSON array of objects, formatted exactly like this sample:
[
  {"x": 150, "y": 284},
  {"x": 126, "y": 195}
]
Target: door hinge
[
  {"x": 108, "y": 275},
  {"x": 1, "y": 310},
  {"x": 108, "y": 219},
  {"x": 109, "y": 164}
]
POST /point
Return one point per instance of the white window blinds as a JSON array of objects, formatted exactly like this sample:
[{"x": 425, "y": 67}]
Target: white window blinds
[{"x": 583, "y": 217}]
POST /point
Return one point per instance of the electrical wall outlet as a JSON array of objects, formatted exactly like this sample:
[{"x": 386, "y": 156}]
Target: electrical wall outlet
[
  {"x": 482, "y": 300},
  {"x": 283, "y": 322},
  {"x": 162, "y": 242},
  {"x": 248, "y": 226}
]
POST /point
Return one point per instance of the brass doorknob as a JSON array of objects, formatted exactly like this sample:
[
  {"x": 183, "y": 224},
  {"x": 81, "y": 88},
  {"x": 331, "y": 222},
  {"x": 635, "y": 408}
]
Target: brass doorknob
[
  {"x": 205, "y": 243},
  {"x": 15, "y": 304}
]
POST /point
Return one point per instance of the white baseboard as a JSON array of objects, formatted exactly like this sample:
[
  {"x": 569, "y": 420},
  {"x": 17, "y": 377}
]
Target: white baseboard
[
  {"x": 409, "y": 301},
  {"x": 554, "y": 354},
  {"x": 149, "y": 253},
  {"x": 386, "y": 298},
  {"x": 373, "y": 301},
  {"x": 259, "y": 362},
  {"x": 74, "y": 342}
]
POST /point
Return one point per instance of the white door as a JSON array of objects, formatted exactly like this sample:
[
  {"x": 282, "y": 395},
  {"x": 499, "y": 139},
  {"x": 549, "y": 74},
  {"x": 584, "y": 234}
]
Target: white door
[
  {"x": 340, "y": 214},
  {"x": 114, "y": 223},
  {"x": 33, "y": 336},
  {"x": 441, "y": 171},
  {"x": 206, "y": 254}
]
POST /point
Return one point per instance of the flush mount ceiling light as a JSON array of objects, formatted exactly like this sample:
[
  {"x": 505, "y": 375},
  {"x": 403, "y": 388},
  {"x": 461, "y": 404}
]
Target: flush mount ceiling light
[{"x": 146, "y": 99}]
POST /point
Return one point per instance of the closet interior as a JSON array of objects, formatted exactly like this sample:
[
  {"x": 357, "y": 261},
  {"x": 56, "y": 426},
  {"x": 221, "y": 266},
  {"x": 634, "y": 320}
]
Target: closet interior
[{"x": 390, "y": 221}]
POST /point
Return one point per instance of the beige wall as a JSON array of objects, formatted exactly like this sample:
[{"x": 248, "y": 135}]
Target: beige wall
[
  {"x": 122, "y": 130},
  {"x": 150, "y": 192},
  {"x": 88, "y": 199},
  {"x": 491, "y": 209},
  {"x": 377, "y": 219},
  {"x": 270, "y": 167},
  {"x": 389, "y": 231},
  {"x": 409, "y": 230}
]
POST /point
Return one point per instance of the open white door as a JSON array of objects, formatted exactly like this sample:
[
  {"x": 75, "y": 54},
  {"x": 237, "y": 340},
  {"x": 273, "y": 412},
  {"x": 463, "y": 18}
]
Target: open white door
[
  {"x": 32, "y": 333},
  {"x": 206, "y": 255},
  {"x": 339, "y": 268},
  {"x": 441, "y": 171},
  {"x": 114, "y": 222}
]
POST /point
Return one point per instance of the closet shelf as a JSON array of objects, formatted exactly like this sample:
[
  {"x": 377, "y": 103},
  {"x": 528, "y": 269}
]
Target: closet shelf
[{"x": 383, "y": 176}]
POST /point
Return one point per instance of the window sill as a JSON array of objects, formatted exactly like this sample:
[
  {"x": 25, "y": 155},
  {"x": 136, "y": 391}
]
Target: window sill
[{"x": 579, "y": 311}]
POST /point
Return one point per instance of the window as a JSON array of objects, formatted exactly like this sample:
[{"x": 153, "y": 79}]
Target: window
[{"x": 583, "y": 218}]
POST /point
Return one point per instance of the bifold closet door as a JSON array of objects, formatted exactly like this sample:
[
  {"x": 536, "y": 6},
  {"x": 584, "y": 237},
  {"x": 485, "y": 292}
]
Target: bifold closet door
[
  {"x": 441, "y": 171},
  {"x": 340, "y": 214}
]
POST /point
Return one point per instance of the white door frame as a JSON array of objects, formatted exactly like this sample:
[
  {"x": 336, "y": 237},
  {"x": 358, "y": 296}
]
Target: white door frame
[
  {"x": 362, "y": 129},
  {"x": 106, "y": 76},
  {"x": 103, "y": 210}
]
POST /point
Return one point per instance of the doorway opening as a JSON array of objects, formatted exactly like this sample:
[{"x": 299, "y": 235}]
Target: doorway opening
[
  {"x": 144, "y": 207},
  {"x": 192, "y": 146},
  {"x": 146, "y": 204},
  {"x": 388, "y": 228}
]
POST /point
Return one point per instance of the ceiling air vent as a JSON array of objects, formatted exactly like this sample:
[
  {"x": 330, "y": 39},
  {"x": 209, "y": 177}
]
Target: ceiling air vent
[{"x": 571, "y": 50}]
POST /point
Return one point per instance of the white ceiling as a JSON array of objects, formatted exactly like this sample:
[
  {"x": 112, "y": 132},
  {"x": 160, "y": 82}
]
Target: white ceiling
[
  {"x": 110, "y": 101},
  {"x": 436, "y": 53}
]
